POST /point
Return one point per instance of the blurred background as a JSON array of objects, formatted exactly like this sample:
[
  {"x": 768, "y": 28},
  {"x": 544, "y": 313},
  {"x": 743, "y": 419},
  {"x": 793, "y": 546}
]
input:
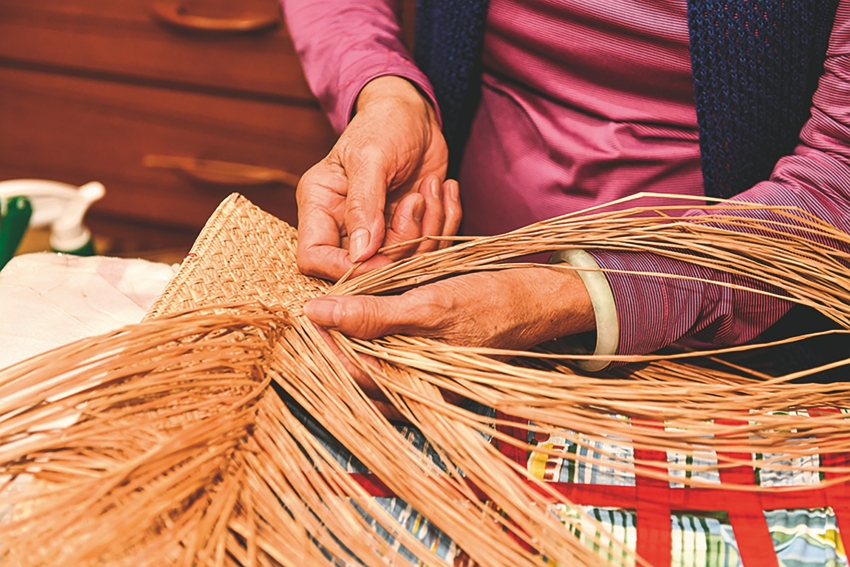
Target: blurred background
[{"x": 171, "y": 104}]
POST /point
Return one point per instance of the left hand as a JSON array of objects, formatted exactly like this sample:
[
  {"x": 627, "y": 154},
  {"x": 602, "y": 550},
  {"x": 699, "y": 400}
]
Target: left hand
[
  {"x": 383, "y": 183},
  {"x": 514, "y": 309}
]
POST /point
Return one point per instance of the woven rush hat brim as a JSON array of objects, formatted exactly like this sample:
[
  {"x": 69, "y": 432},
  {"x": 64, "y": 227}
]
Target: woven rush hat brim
[{"x": 242, "y": 255}]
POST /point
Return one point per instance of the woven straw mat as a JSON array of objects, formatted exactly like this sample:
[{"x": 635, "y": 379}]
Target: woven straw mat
[{"x": 243, "y": 254}]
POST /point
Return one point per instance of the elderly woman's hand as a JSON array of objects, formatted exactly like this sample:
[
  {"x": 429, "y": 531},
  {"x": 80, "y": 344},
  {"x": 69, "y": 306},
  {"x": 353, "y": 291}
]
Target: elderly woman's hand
[
  {"x": 514, "y": 308},
  {"x": 382, "y": 183}
]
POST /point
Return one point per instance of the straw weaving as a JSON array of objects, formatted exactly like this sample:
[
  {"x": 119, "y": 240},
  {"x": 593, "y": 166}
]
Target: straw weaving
[{"x": 225, "y": 430}]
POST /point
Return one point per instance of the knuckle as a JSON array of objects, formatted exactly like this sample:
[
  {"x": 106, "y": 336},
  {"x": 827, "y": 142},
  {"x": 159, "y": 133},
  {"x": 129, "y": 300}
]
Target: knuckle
[
  {"x": 372, "y": 154},
  {"x": 311, "y": 263},
  {"x": 310, "y": 185},
  {"x": 357, "y": 202},
  {"x": 362, "y": 317},
  {"x": 306, "y": 182},
  {"x": 307, "y": 266},
  {"x": 365, "y": 160},
  {"x": 441, "y": 217},
  {"x": 429, "y": 307}
]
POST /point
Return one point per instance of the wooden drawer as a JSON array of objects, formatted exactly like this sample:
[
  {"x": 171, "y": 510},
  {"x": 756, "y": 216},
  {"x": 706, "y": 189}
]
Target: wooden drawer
[
  {"x": 78, "y": 130},
  {"x": 123, "y": 39}
]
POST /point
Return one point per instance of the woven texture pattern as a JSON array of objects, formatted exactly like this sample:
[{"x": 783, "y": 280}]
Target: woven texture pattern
[
  {"x": 243, "y": 254},
  {"x": 755, "y": 67}
]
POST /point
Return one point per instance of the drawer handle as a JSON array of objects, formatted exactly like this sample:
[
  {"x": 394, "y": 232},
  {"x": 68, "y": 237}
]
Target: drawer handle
[
  {"x": 176, "y": 14},
  {"x": 221, "y": 172}
]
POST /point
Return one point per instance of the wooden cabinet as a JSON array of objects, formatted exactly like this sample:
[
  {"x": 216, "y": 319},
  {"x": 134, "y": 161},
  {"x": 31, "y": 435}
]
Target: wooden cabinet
[{"x": 133, "y": 93}]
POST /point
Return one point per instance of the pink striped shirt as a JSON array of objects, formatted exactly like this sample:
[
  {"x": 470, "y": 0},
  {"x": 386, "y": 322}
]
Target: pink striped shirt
[{"x": 584, "y": 103}]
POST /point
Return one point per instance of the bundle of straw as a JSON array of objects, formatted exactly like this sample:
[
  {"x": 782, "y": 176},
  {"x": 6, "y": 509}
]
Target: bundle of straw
[{"x": 181, "y": 440}]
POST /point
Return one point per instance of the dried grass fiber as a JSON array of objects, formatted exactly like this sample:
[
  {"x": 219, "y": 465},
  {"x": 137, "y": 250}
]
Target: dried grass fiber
[{"x": 165, "y": 443}]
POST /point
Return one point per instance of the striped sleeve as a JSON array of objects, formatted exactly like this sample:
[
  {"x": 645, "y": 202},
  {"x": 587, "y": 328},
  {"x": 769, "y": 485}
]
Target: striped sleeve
[
  {"x": 654, "y": 311},
  {"x": 344, "y": 44}
]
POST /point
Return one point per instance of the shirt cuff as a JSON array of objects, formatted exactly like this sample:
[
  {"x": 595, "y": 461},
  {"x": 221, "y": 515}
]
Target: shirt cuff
[{"x": 604, "y": 308}]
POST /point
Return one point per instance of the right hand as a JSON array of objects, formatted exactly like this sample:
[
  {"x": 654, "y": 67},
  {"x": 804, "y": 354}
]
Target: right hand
[{"x": 382, "y": 183}]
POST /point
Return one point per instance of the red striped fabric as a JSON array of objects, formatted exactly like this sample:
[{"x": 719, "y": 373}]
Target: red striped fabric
[
  {"x": 746, "y": 512},
  {"x": 681, "y": 499},
  {"x": 655, "y": 501},
  {"x": 837, "y": 495},
  {"x": 652, "y": 505}
]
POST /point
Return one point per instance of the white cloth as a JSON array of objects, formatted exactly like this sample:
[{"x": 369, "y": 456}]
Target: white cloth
[{"x": 48, "y": 300}]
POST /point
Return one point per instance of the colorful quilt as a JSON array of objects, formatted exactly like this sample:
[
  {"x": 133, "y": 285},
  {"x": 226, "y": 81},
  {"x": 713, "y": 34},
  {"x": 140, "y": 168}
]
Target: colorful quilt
[{"x": 667, "y": 523}]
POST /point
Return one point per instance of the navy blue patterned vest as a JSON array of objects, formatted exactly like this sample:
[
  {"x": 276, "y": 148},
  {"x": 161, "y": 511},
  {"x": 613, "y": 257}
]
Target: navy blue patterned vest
[{"x": 755, "y": 65}]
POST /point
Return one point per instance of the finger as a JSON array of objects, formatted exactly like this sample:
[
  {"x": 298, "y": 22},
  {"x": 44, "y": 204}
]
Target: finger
[
  {"x": 454, "y": 211},
  {"x": 364, "y": 206},
  {"x": 392, "y": 414},
  {"x": 322, "y": 261},
  {"x": 361, "y": 370},
  {"x": 405, "y": 225},
  {"x": 319, "y": 250},
  {"x": 333, "y": 263},
  {"x": 435, "y": 216},
  {"x": 373, "y": 263},
  {"x": 367, "y": 316},
  {"x": 355, "y": 370},
  {"x": 364, "y": 380}
]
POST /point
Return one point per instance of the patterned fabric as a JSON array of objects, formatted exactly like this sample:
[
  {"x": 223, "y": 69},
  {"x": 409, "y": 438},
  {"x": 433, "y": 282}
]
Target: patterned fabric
[
  {"x": 707, "y": 526},
  {"x": 704, "y": 528}
]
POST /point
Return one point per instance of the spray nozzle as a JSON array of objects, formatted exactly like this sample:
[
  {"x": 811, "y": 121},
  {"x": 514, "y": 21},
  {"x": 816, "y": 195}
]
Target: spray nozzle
[{"x": 60, "y": 206}]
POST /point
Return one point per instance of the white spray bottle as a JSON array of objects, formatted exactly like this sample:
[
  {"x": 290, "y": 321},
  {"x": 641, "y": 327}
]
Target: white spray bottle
[{"x": 60, "y": 206}]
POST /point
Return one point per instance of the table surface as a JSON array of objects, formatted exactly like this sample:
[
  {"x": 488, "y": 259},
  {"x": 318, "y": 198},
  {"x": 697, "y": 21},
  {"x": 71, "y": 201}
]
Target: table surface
[{"x": 48, "y": 300}]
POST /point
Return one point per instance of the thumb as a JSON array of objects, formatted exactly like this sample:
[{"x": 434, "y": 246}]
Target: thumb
[
  {"x": 359, "y": 316},
  {"x": 364, "y": 211}
]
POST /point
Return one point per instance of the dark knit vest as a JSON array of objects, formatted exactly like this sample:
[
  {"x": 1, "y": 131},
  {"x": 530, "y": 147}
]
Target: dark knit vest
[{"x": 755, "y": 65}]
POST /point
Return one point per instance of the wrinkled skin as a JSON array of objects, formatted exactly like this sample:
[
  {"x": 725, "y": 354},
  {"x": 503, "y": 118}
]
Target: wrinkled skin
[
  {"x": 384, "y": 183},
  {"x": 381, "y": 184}
]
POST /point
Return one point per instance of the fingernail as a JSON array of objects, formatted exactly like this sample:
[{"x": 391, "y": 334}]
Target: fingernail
[
  {"x": 358, "y": 243},
  {"x": 324, "y": 311},
  {"x": 453, "y": 190},
  {"x": 419, "y": 209},
  {"x": 434, "y": 187}
]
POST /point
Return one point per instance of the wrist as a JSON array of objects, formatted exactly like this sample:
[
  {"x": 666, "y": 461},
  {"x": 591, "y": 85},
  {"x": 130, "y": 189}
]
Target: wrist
[
  {"x": 550, "y": 303},
  {"x": 598, "y": 291},
  {"x": 394, "y": 90}
]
